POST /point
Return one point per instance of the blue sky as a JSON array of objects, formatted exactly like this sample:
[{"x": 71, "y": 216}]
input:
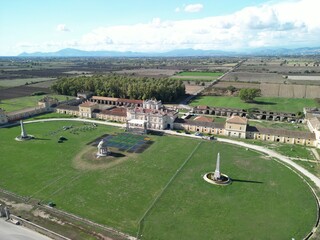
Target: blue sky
[{"x": 122, "y": 25}]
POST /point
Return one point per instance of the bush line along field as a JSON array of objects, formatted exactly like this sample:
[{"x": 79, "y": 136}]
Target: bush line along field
[
  {"x": 263, "y": 192},
  {"x": 264, "y": 103}
]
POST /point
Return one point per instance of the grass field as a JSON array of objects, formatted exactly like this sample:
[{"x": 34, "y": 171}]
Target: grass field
[
  {"x": 265, "y": 201},
  {"x": 201, "y": 76},
  {"x": 15, "y": 104},
  {"x": 280, "y": 125},
  {"x": 264, "y": 103}
]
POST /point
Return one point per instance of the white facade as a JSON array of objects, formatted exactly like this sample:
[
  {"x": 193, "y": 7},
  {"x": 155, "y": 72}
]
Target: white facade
[
  {"x": 154, "y": 114},
  {"x": 314, "y": 127}
]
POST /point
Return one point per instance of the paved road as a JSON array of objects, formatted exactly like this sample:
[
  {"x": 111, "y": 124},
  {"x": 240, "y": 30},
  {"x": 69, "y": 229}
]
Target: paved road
[{"x": 9, "y": 231}]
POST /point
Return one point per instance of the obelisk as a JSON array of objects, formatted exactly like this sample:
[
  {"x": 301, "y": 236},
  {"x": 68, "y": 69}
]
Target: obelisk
[
  {"x": 23, "y": 131},
  {"x": 217, "y": 174}
]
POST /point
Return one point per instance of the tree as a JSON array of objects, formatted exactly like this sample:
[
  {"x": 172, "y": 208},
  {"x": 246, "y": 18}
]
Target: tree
[{"x": 249, "y": 94}]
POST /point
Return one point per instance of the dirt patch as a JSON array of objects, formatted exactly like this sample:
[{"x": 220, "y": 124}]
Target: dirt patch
[
  {"x": 87, "y": 160},
  {"x": 42, "y": 214},
  {"x": 17, "y": 206},
  {"x": 191, "y": 89}
]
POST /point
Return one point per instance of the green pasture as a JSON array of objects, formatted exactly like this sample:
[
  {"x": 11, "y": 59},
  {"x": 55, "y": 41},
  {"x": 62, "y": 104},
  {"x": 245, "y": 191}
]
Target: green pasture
[
  {"x": 264, "y": 103},
  {"x": 265, "y": 201},
  {"x": 15, "y": 104},
  {"x": 200, "y": 76}
]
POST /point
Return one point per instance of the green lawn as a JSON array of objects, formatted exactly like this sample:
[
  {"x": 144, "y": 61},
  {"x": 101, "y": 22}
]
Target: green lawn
[
  {"x": 280, "y": 125},
  {"x": 14, "y": 104},
  {"x": 51, "y": 115},
  {"x": 280, "y": 206},
  {"x": 264, "y": 103}
]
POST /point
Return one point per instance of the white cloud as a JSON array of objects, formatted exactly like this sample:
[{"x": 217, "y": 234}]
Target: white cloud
[
  {"x": 287, "y": 24},
  {"x": 62, "y": 28},
  {"x": 193, "y": 8},
  {"x": 177, "y": 9}
]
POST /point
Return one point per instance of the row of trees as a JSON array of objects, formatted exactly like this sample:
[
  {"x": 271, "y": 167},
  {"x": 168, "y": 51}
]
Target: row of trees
[{"x": 122, "y": 86}]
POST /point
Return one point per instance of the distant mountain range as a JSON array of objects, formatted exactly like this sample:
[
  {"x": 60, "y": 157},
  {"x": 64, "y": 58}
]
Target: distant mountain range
[{"x": 70, "y": 52}]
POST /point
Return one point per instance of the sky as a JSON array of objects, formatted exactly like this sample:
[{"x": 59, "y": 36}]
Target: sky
[{"x": 157, "y": 26}]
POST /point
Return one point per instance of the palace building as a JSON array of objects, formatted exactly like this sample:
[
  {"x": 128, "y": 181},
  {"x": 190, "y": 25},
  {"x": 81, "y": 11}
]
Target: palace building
[{"x": 154, "y": 114}]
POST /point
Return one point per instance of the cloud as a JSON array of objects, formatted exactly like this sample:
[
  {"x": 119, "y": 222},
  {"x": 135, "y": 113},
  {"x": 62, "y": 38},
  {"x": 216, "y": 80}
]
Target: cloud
[
  {"x": 62, "y": 28},
  {"x": 177, "y": 9},
  {"x": 285, "y": 24},
  {"x": 264, "y": 25},
  {"x": 191, "y": 8}
]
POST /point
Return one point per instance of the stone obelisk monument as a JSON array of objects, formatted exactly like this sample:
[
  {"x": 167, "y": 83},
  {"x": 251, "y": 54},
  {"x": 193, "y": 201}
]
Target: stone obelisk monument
[
  {"x": 23, "y": 136},
  {"x": 217, "y": 177},
  {"x": 23, "y": 131},
  {"x": 217, "y": 174}
]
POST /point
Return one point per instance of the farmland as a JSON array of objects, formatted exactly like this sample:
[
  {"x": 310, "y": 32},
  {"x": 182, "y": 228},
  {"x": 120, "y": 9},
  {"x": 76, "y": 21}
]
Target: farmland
[
  {"x": 15, "y": 104},
  {"x": 273, "y": 89},
  {"x": 22, "y": 81},
  {"x": 293, "y": 78},
  {"x": 263, "y": 191},
  {"x": 200, "y": 76},
  {"x": 264, "y": 103}
]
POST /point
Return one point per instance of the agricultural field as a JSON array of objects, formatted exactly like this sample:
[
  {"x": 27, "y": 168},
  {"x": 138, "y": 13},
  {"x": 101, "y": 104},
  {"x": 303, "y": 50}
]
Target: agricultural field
[
  {"x": 21, "y": 91},
  {"x": 22, "y": 81},
  {"x": 274, "y": 70},
  {"x": 239, "y": 85},
  {"x": 292, "y": 105},
  {"x": 159, "y": 193},
  {"x": 285, "y": 90},
  {"x": 14, "y": 104},
  {"x": 201, "y": 76}
]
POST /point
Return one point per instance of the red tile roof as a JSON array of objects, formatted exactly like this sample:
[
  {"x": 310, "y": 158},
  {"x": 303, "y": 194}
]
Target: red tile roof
[
  {"x": 203, "y": 107},
  {"x": 87, "y": 104},
  {"x": 237, "y": 120},
  {"x": 203, "y": 119}
]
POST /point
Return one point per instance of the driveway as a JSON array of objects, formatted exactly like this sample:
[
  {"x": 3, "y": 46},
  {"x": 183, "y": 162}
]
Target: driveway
[{"x": 9, "y": 231}]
